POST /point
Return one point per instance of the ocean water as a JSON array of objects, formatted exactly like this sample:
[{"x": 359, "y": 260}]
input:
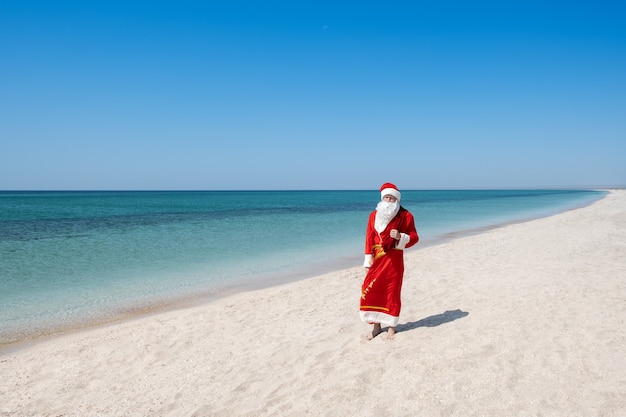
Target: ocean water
[{"x": 72, "y": 258}]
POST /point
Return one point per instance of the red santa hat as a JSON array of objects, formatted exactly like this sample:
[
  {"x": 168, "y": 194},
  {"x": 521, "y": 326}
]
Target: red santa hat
[{"x": 389, "y": 189}]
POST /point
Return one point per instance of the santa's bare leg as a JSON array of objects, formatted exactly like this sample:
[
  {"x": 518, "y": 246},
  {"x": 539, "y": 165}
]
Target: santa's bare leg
[
  {"x": 391, "y": 333},
  {"x": 375, "y": 331}
]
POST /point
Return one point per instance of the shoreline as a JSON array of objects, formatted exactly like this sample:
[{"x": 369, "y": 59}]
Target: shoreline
[
  {"x": 526, "y": 319},
  {"x": 169, "y": 304}
]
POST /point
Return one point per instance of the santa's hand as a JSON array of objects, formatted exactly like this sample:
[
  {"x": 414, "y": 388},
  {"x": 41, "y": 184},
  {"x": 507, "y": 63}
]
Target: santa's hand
[{"x": 395, "y": 234}]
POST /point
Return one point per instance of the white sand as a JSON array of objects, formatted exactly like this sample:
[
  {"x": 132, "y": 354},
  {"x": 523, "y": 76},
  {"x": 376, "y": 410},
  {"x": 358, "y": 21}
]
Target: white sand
[{"x": 525, "y": 320}]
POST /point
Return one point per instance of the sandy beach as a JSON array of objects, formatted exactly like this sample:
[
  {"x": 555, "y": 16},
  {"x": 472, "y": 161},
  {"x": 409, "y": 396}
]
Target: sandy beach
[{"x": 523, "y": 320}]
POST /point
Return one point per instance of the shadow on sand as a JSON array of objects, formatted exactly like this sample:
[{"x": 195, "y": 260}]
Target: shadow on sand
[{"x": 432, "y": 321}]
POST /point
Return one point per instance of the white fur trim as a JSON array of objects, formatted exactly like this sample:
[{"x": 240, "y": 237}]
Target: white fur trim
[
  {"x": 369, "y": 260},
  {"x": 404, "y": 240},
  {"x": 390, "y": 191},
  {"x": 378, "y": 317}
]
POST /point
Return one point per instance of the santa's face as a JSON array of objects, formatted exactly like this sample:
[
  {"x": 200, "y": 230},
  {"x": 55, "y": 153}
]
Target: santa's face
[
  {"x": 385, "y": 211},
  {"x": 389, "y": 198}
]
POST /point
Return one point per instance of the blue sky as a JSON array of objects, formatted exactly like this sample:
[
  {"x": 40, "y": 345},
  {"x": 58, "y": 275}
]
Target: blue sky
[{"x": 311, "y": 94}]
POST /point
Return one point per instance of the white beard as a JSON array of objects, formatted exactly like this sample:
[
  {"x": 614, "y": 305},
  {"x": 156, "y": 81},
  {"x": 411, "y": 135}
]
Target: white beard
[{"x": 385, "y": 211}]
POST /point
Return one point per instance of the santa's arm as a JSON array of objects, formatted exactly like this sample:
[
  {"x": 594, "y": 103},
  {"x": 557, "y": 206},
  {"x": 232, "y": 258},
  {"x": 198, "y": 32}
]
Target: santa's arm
[
  {"x": 409, "y": 237},
  {"x": 369, "y": 242}
]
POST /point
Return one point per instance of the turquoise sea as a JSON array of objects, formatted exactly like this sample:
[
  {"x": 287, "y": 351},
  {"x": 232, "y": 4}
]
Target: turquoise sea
[{"x": 74, "y": 258}]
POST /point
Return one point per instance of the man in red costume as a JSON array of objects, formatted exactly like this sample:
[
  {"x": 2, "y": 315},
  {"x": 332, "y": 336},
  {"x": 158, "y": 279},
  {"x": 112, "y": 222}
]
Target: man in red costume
[{"x": 390, "y": 230}]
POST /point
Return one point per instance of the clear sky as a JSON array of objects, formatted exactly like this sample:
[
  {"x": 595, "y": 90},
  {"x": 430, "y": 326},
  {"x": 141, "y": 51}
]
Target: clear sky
[{"x": 312, "y": 94}]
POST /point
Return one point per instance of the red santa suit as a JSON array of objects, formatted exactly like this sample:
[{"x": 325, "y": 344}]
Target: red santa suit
[{"x": 384, "y": 255}]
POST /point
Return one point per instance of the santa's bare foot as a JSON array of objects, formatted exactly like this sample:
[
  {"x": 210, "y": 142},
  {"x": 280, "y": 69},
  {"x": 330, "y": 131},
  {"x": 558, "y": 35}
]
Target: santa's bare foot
[
  {"x": 391, "y": 333},
  {"x": 375, "y": 331}
]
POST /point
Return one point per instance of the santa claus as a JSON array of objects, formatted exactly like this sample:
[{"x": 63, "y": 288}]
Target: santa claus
[{"x": 390, "y": 230}]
